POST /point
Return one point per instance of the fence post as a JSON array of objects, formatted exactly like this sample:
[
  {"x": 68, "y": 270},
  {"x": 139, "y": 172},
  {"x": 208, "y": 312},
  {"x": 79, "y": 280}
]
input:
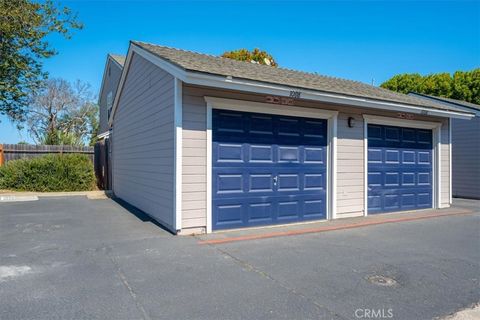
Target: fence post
[{"x": 2, "y": 159}]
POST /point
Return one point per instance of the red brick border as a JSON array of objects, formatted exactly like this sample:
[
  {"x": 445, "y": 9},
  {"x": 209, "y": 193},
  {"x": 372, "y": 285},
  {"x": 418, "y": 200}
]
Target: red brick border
[{"x": 364, "y": 223}]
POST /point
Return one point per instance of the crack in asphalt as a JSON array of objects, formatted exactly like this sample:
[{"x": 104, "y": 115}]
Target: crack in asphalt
[
  {"x": 124, "y": 280},
  {"x": 249, "y": 267}
]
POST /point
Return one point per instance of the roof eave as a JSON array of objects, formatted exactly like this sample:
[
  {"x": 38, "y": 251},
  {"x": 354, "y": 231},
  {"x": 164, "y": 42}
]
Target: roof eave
[
  {"x": 231, "y": 83},
  {"x": 115, "y": 61},
  {"x": 445, "y": 102}
]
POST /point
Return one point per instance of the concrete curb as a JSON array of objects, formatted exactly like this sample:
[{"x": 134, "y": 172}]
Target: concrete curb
[
  {"x": 465, "y": 314},
  {"x": 98, "y": 194}
]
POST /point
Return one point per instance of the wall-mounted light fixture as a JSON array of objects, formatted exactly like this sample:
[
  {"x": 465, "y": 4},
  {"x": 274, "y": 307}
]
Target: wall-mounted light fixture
[{"x": 351, "y": 122}]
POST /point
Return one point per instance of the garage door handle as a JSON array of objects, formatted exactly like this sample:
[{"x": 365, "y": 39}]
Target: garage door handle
[{"x": 275, "y": 180}]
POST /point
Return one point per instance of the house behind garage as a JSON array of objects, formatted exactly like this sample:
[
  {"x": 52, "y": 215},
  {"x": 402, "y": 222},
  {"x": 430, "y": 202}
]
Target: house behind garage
[
  {"x": 465, "y": 148},
  {"x": 203, "y": 143},
  {"x": 110, "y": 80}
]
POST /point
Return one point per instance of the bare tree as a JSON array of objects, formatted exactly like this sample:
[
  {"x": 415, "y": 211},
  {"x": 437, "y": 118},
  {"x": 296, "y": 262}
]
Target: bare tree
[{"x": 63, "y": 113}]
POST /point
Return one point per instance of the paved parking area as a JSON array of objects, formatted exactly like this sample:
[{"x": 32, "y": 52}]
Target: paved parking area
[{"x": 75, "y": 258}]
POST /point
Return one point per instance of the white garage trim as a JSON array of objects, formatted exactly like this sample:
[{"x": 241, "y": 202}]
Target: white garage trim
[
  {"x": 450, "y": 122},
  {"x": 249, "y": 106},
  {"x": 177, "y": 192},
  {"x": 418, "y": 124}
]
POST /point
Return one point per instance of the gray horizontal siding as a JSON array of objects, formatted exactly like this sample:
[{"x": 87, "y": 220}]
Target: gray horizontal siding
[
  {"x": 466, "y": 158},
  {"x": 143, "y": 141},
  {"x": 113, "y": 72}
]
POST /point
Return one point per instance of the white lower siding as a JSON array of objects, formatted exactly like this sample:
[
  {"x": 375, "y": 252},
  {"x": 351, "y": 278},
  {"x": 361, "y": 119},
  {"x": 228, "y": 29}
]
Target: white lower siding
[
  {"x": 350, "y": 167},
  {"x": 143, "y": 141},
  {"x": 194, "y": 161}
]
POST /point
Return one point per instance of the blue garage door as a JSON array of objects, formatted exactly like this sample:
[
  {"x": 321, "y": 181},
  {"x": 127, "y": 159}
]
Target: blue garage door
[
  {"x": 399, "y": 168},
  {"x": 267, "y": 169}
]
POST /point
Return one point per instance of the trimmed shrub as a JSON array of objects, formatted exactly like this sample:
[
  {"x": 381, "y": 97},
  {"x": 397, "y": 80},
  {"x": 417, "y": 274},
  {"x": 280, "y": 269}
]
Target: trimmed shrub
[{"x": 53, "y": 172}]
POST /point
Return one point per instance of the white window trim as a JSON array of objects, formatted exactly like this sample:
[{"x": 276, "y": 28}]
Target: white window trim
[
  {"x": 178, "y": 159},
  {"x": 418, "y": 124},
  {"x": 266, "y": 108}
]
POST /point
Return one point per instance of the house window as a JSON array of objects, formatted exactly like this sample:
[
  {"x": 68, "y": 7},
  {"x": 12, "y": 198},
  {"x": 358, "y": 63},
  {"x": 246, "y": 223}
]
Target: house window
[{"x": 109, "y": 103}]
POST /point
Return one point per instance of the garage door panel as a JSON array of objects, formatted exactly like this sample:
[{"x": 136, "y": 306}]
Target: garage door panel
[
  {"x": 313, "y": 208},
  {"x": 260, "y": 212},
  {"x": 229, "y": 183},
  {"x": 289, "y": 209},
  {"x": 272, "y": 170},
  {"x": 261, "y": 154},
  {"x": 399, "y": 169}
]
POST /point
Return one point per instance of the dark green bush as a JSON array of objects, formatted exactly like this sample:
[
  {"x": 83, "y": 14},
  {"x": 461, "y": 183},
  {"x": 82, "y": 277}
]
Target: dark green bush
[{"x": 63, "y": 172}]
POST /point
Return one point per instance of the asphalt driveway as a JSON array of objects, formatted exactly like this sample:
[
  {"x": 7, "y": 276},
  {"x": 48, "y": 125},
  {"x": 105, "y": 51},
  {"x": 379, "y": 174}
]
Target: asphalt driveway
[{"x": 75, "y": 258}]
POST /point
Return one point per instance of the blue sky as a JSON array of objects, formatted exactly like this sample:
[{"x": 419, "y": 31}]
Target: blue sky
[{"x": 361, "y": 40}]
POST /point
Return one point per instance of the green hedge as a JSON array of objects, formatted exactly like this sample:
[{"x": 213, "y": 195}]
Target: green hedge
[{"x": 59, "y": 172}]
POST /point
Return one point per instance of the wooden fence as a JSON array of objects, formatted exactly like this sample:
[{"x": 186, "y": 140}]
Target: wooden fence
[{"x": 10, "y": 152}]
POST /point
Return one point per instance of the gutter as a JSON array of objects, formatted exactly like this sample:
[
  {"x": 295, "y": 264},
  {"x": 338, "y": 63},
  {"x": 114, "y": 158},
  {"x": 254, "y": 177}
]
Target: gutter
[
  {"x": 103, "y": 135},
  {"x": 264, "y": 88},
  {"x": 231, "y": 83},
  {"x": 446, "y": 103}
]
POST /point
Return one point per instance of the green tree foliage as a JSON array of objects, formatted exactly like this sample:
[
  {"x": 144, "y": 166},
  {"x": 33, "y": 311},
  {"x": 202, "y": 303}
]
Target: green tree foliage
[
  {"x": 24, "y": 26},
  {"x": 256, "y": 55},
  {"x": 462, "y": 85},
  {"x": 466, "y": 86}
]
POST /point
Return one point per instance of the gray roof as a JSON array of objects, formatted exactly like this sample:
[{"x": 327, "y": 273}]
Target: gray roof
[
  {"x": 118, "y": 58},
  {"x": 455, "y": 102},
  {"x": 203, "y": 63}
]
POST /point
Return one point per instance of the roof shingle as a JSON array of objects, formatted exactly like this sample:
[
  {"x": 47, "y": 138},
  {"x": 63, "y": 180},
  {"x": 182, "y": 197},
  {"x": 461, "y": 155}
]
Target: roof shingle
[
  {"x": 456, "y": 102},
  {"x": 203, "y": 63},
  {"x": 118, "y": 58}
]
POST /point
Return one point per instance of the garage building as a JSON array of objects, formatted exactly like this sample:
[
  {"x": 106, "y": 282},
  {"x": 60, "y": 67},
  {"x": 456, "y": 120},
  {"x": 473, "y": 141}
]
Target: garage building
[
  {"x": 465, "y": 148},
  {"x": 203, "y": 143}
]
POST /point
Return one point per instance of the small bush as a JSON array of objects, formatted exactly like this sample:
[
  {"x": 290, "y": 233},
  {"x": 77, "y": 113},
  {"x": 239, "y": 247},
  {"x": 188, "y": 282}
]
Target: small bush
[{"x": 64, "y": 172}]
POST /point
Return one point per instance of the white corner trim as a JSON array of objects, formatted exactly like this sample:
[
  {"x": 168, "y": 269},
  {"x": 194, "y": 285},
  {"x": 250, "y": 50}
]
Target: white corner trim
[
  {"x": 332, "y": 166},
  {"x": 438, "y": 163},
  {"x": 436, "y": 144},
  {"x": 388, "y": 121},
  {"x": 266, "y": 108},
  {"x": 450, "y": 191},
  {"x": 209, "y": 167},
  {"x": 178, "y": 109},
  {"x": 365, "y": 166}
]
